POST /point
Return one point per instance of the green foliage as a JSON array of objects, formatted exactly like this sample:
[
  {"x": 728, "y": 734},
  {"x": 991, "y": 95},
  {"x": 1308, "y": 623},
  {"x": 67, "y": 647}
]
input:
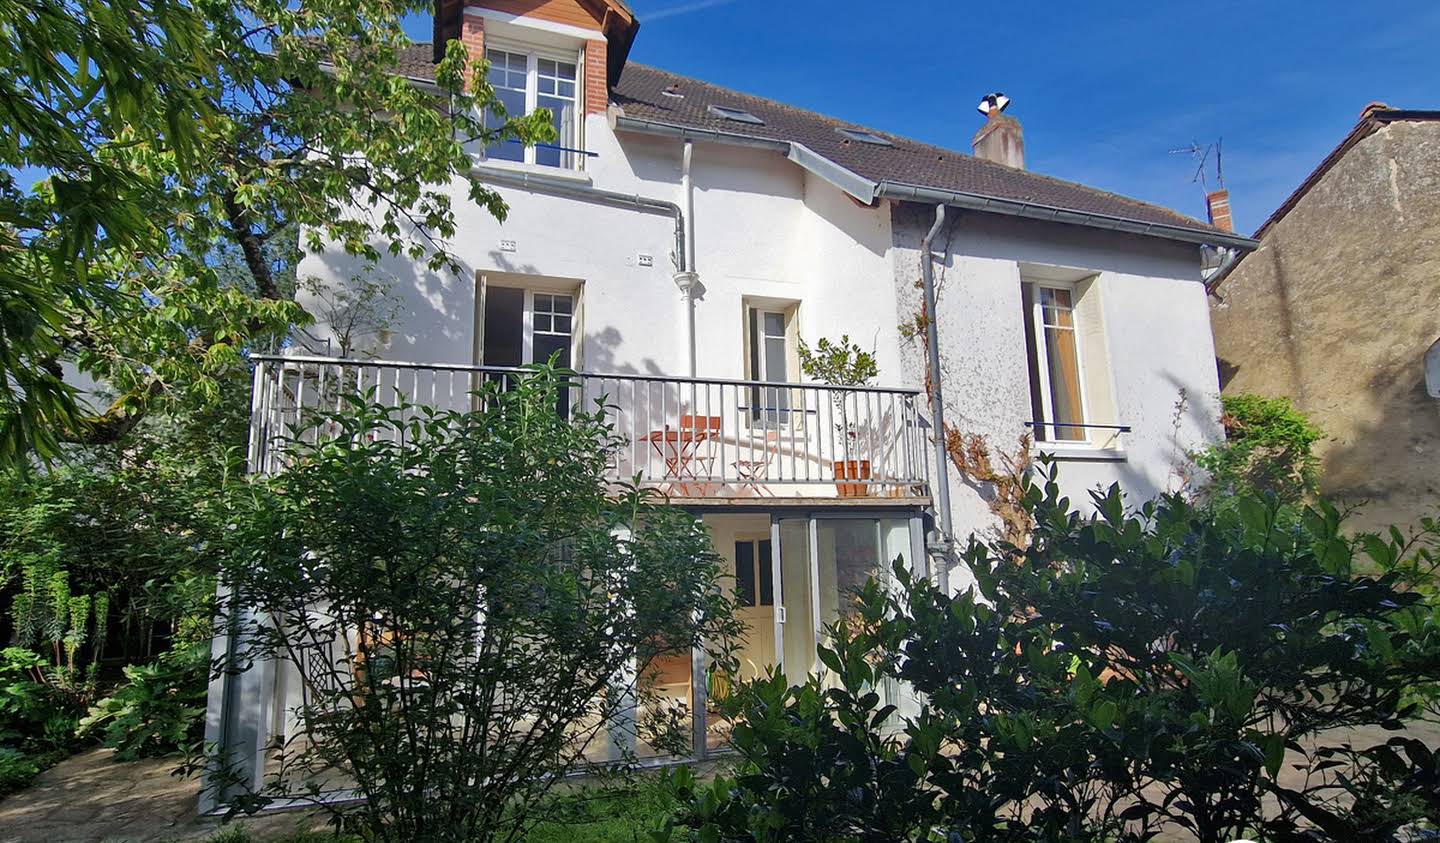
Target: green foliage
[
  {"x": 1268, "y": 448},
  {"x": 168, "y": 135},
  {"x": 1219, "y": 673},
  {"x": 158, "y": 711},
  {"x": 16, "y": 769},
  {"x": 36, "y": 722},
  {"x": 487, "y": 588},
  {"x": 618, "y": 813},
  {"x": 841, "y": 363}
]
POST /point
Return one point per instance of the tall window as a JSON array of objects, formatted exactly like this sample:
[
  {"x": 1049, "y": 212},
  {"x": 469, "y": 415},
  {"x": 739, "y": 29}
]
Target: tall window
[
  {"x": 1056, "y": 392},
  {"x": 527, "y": 326},
  {"x": 769, "y": 345},
  {"x": 524, "y": 82}
]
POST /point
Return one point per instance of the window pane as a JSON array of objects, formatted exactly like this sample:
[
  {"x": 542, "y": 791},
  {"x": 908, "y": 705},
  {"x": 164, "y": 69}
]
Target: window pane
[
  {"x": 1064, "y": 370},
  {"x": 548, "y": 344},
  {"x": 561, "y": 324},
  {"x": 562, "y": 117},
  {"x": 542, "y": 322},
  {"x": 774, "y": 324},
  {"x": 514, "y": 103},
  {"x": 561, "y": 303},
  {"x": 745, "y": 573},
  {"x": 767, "y": 575}
]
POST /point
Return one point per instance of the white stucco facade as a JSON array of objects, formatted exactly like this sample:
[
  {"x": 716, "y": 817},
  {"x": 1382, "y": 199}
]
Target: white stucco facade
[{"x": 767, "y": 232}]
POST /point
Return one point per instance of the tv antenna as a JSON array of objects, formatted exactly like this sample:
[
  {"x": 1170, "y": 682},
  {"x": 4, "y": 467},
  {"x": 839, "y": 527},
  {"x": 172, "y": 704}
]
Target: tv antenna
[{"x": 1201, "y": 155}]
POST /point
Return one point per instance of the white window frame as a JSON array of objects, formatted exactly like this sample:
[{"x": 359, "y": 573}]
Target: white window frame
[
  {"x": 788, "y": 313},
  {"x": 762, "y": 358},
  {"x": 1042, "y": 364},
  {"x": 533, "y": 54}
]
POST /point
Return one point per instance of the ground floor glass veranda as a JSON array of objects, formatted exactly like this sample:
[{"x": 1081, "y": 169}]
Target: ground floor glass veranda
[{"x": 793, "y": 572}]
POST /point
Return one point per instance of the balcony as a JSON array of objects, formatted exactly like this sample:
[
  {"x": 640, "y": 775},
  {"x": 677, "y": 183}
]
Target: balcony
[{"x": 693, "y": 440}]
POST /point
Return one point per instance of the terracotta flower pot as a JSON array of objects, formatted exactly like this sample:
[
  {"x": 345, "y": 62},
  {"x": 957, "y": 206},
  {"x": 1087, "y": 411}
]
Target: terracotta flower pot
[{"x": 852, "y": 470}]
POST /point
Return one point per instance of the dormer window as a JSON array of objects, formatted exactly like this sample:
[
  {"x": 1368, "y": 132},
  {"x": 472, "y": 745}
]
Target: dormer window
[
  {"x": 736, "y": 114},
  {"x": 526, "y": 80}
]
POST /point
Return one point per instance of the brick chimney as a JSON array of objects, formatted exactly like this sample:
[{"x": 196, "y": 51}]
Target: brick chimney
[
  {"x": 1000, "y": 139},
  {"x": 1217, "y": 205}
]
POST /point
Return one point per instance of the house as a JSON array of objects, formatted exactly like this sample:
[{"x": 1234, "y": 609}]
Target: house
[
  {"x": 1337, "y": 311},
  {"x": 680, "y": 240}
]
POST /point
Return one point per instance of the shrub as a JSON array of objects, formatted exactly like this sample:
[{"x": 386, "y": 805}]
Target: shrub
[
  {"x": 16, "y": 769},
  {"x": 1131, "y": 673},
  {"x": 1268, "y": 448},
  {"x": 160, "y": 710},
  {"x": 468, "y": 600}
]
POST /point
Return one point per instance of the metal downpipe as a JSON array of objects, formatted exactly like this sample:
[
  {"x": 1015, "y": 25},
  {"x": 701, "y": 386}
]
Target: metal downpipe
[
  {"x": 687, "y": 278},
  {"x": 937, "y": 399}
]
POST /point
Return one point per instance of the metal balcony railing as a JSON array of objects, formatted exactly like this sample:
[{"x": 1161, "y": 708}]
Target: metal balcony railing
[{"x": 691, "y": 438}]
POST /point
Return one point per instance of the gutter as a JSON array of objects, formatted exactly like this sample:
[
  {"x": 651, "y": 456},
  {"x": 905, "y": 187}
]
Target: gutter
[
  {"x": 1034, "y": 210},
  {"x": 867, "y": 191}
]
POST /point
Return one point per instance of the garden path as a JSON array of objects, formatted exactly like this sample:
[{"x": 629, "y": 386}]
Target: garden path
[{"x": 90, "y": 798}]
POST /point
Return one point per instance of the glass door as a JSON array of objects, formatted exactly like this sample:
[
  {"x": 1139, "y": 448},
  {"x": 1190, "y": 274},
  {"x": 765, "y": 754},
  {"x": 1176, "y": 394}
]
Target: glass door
[{"x": 796, "y": 625}]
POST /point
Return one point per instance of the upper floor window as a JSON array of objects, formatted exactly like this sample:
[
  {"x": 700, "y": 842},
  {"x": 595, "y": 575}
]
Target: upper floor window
[
  {"x": 525, "y": 81},
  {"x": 1057, "y": 393},
  {"x": 770, "y": 347}
]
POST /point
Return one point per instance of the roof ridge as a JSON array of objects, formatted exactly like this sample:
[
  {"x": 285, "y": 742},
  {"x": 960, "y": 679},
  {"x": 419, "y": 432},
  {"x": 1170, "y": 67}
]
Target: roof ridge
[{"x": 923, "y": 146}]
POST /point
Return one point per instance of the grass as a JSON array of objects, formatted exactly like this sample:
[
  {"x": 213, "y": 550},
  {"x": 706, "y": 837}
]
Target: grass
[
  {"x": 624, "y": 812},
  {"x": 606, "y": 815}
]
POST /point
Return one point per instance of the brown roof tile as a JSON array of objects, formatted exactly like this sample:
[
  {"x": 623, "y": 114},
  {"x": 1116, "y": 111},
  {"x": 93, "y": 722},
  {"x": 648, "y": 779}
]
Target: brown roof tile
[{"x": 908, "y": 162}]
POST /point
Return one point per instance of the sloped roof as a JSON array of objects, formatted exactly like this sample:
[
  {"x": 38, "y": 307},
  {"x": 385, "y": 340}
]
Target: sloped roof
[{"x": 640, "y": 94}]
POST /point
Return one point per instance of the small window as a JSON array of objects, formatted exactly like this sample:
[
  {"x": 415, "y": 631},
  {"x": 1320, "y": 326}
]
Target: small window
[
  {"x": 1057, "y": 396},
  {"x": 736, "y": 114},
  {"x": 865, "y": 137},
  {"x": 754, "y": 576}
]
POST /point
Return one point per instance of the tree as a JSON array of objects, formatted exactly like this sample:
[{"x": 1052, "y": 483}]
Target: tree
[
  {"x": 164, "y": 133},
  {"x": 469, "y": 603}
]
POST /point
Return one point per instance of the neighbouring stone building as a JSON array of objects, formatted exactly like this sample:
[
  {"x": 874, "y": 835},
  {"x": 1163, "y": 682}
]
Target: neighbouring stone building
[{"x": 1339, "y": 306}]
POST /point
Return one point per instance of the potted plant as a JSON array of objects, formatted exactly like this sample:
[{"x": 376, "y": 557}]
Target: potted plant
[{"x": 843, "y": 363}]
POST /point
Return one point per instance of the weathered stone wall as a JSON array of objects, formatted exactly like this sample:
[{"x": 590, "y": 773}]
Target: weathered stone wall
[{"x": 1336, "y": 310}]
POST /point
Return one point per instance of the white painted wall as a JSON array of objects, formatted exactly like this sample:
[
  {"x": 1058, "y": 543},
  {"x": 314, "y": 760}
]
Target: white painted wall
[
  {"x": 766, "y": 228},
  {"x": 1156, "y": 327},
  {"x": 763, "y": 228}
]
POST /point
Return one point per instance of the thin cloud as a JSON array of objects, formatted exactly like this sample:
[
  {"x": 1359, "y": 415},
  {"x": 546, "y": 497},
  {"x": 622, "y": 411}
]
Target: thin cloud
[{"x": 683, "y": 9}]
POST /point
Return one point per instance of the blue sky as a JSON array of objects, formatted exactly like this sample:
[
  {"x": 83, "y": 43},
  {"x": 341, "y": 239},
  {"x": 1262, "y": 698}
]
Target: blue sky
[{"x": 1103, "y": 89}]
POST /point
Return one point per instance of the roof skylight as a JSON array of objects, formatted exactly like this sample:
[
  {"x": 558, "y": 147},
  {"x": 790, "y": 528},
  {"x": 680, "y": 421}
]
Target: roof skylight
[
  {"x": 736, "y": 114},
  {"x": 865, "y": 137}
]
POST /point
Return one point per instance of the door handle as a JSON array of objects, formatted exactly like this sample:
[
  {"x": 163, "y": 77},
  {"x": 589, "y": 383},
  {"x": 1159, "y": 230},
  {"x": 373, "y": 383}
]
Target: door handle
[{"x": 779, "y": 614}]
